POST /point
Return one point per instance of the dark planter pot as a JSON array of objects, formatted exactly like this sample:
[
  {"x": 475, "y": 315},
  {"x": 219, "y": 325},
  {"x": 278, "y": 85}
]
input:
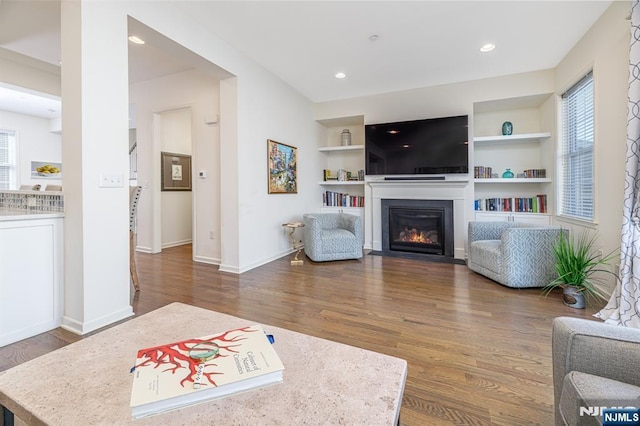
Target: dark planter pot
[{"x": 573, "y": 298}]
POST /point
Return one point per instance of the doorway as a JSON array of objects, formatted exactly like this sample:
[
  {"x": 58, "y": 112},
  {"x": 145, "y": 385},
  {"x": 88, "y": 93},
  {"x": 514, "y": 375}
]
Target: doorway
[{"x": 176, "y": 206}]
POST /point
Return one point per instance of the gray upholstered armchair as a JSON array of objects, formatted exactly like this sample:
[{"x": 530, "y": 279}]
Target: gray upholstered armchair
[
  {"x": 332, "y": 236},
  {"x": 512, "y": 253},
  {"x": 594, "y": 365}
]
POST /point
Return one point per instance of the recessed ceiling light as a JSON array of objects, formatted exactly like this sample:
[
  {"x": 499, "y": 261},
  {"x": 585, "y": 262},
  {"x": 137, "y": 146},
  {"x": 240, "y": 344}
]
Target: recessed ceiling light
[
  {"x": 136, "y": 39},
  {"x": 487, "y": 47},
  {"x": 340, "y": 75}
]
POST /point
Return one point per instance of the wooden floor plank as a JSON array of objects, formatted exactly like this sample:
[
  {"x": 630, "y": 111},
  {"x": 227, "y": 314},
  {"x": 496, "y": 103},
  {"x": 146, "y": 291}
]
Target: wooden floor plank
[{"x": 478, "y": 353}]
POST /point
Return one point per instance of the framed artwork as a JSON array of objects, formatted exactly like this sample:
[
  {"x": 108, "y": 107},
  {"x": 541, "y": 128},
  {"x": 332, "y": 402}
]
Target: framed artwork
[
  {"x": 282, "y": 167},
  {"x": 175, "y": 172}
]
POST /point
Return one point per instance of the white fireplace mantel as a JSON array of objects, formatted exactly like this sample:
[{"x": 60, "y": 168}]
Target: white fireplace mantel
[{"x": 456, "y": 189}]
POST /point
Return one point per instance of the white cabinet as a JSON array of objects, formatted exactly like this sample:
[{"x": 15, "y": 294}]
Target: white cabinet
[
  {"x": 536, "y": 219},
  {"x": 30, "y": 277},
  {"x": 356, "y": 211},
  {"x": 528, "y": 152}
]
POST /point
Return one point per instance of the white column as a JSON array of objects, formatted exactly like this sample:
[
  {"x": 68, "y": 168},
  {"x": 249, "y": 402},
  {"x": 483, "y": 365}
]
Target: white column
[{"x": 95, "y": 143}]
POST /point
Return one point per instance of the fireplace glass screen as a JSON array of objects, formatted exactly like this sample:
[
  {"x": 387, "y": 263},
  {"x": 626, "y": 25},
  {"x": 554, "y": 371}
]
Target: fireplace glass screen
[{"x": 416, "y": 230}]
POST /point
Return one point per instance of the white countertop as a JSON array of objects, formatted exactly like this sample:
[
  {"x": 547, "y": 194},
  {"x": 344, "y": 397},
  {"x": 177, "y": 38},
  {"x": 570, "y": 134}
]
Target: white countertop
[{"x": 22, "y": 214}]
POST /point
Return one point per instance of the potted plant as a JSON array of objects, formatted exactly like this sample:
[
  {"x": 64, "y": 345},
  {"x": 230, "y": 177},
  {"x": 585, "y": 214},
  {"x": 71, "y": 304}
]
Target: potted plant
[{"x": 578, "y": 265}]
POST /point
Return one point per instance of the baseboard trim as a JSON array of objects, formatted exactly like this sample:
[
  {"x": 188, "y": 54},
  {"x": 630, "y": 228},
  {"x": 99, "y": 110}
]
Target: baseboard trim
[
  {"x": 176, "y": 243},
  {"x": 208, "y": 260},
  {"x": 81, "y": 328},
  {"x": 239, "y": 270}
]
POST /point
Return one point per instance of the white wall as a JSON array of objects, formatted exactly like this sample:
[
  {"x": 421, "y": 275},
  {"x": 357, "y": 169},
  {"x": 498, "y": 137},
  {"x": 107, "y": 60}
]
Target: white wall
[
  {"x": 605, "y": 49},
  {"x": 176, "y": 205},
  {"x": 35, "y": 143}
]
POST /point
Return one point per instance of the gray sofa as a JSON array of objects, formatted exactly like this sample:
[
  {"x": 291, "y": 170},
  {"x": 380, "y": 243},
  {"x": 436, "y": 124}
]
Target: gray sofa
[
  {"x": 594, "y": 365},
  {"x": 332, "y": 236},
  {"x": 512, "y": 253}
]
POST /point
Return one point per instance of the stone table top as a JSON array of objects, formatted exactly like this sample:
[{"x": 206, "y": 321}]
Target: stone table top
[{"x": 89, "y": 382}]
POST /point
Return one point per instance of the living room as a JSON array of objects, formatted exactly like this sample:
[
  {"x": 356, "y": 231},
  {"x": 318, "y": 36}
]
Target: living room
[{"x": 255, "y": 106}]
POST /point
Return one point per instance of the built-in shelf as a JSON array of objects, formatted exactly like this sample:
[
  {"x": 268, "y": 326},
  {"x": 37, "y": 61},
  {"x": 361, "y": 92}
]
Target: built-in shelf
[
  {"x": 341, "y": 148},
  {"x": 341, "y": 182},
  {"x": 513, "y": 180},
  {"x": 524, "y": 137}
]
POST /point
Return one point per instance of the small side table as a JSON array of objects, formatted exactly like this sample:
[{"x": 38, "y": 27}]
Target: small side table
[{"x": 296, "y": 245}]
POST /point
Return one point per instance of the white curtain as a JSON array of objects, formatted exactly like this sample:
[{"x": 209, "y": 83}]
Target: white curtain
[{"x": 624, "y": 306}]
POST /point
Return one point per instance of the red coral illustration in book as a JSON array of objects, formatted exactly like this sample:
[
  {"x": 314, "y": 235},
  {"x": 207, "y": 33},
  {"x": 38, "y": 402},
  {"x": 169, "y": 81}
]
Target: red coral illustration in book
[{"x": 175, "y": 356}]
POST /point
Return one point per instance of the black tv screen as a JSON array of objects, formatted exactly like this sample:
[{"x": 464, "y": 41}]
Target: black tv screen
[{"x": 419, "y": 147}]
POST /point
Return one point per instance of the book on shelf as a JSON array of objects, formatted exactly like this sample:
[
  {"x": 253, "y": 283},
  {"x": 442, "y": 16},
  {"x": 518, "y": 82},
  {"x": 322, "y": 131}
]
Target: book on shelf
[
  {"x": 339, "y": 199},
  {"x": 536, "y": 204},
  {"x": 535, "y": 173},
  {"x": 482, "y": 172},
  {"x": 188, "y": 372}
]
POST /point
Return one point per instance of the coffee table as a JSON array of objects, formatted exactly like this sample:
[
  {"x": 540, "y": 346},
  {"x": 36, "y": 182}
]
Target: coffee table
[{"x": 88, "y": 382}]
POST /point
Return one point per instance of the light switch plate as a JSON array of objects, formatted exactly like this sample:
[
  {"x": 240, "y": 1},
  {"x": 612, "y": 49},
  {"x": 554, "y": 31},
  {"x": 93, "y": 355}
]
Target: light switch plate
[{"x": 111, "y": 180}]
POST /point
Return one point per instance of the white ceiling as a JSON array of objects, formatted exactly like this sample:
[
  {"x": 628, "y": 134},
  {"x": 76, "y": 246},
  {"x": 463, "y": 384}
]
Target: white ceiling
[{"x": 420, "y": 43}]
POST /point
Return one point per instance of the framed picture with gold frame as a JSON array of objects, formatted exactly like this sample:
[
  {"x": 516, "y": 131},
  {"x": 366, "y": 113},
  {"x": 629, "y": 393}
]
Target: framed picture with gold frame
[
  {"x": 175, "y": 172},
  {"x": 282, "y": 162}
]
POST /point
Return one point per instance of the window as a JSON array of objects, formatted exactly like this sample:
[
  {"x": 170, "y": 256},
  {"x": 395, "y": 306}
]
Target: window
[
  {"x": 7, "y": 159},
  {"x": 576, "y": 156}
]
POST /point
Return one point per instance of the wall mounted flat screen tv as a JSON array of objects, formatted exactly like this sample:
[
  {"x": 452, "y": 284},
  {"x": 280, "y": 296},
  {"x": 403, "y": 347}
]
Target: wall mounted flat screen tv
[{"x": 419, "y": 147}]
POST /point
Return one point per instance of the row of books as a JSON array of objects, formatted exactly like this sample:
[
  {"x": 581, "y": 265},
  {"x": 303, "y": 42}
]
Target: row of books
[
  {"x": 482, "y": 172},
  {"x": 535, "y": 173},
  {"x": 339, "y": 199},
  {"x": 537, "y": 204},
  {"x": 342, "y": 175},
  {"x": 485, "y": 172}
]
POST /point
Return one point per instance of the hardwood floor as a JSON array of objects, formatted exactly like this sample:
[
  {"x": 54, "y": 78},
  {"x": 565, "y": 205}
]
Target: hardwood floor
[{"x": 478, "y": 353}]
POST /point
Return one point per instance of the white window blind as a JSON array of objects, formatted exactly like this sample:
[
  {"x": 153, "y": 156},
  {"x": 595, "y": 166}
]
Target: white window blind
[
  {"x": 576, "y": 160},
  {"x": 7, "y": 159}
]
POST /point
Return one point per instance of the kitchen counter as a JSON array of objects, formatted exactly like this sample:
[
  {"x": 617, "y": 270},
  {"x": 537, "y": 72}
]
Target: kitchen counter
[{"x": 7, "y": 213}]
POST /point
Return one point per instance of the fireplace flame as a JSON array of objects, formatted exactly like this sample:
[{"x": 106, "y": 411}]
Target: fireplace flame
[{"x": 414, "y": 236}]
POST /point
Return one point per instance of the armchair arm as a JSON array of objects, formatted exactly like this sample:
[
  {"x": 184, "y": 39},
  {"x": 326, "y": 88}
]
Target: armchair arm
[
  {"x": 595, "y": 348},
  {"x": 352, "y": 224},
  {"x": 528, "y": 255},
  {"x": 312, "y": 223},
  {"x": 488, "y": 230}
]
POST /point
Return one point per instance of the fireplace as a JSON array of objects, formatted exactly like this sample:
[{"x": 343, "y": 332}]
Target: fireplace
[{"x": 417, "y": 228}]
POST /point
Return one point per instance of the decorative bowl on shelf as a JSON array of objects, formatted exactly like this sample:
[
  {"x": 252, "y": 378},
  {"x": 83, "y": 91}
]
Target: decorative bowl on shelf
[
  {"x": 49, "y": 175},
  {"x": 508, "y": 174}
]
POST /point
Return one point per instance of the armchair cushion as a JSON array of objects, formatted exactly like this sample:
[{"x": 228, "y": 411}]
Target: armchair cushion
[
  {"x": 594, "y": 365},
  {"x": 332, "y": 236},
  {"x": 512, "y": 253}
]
